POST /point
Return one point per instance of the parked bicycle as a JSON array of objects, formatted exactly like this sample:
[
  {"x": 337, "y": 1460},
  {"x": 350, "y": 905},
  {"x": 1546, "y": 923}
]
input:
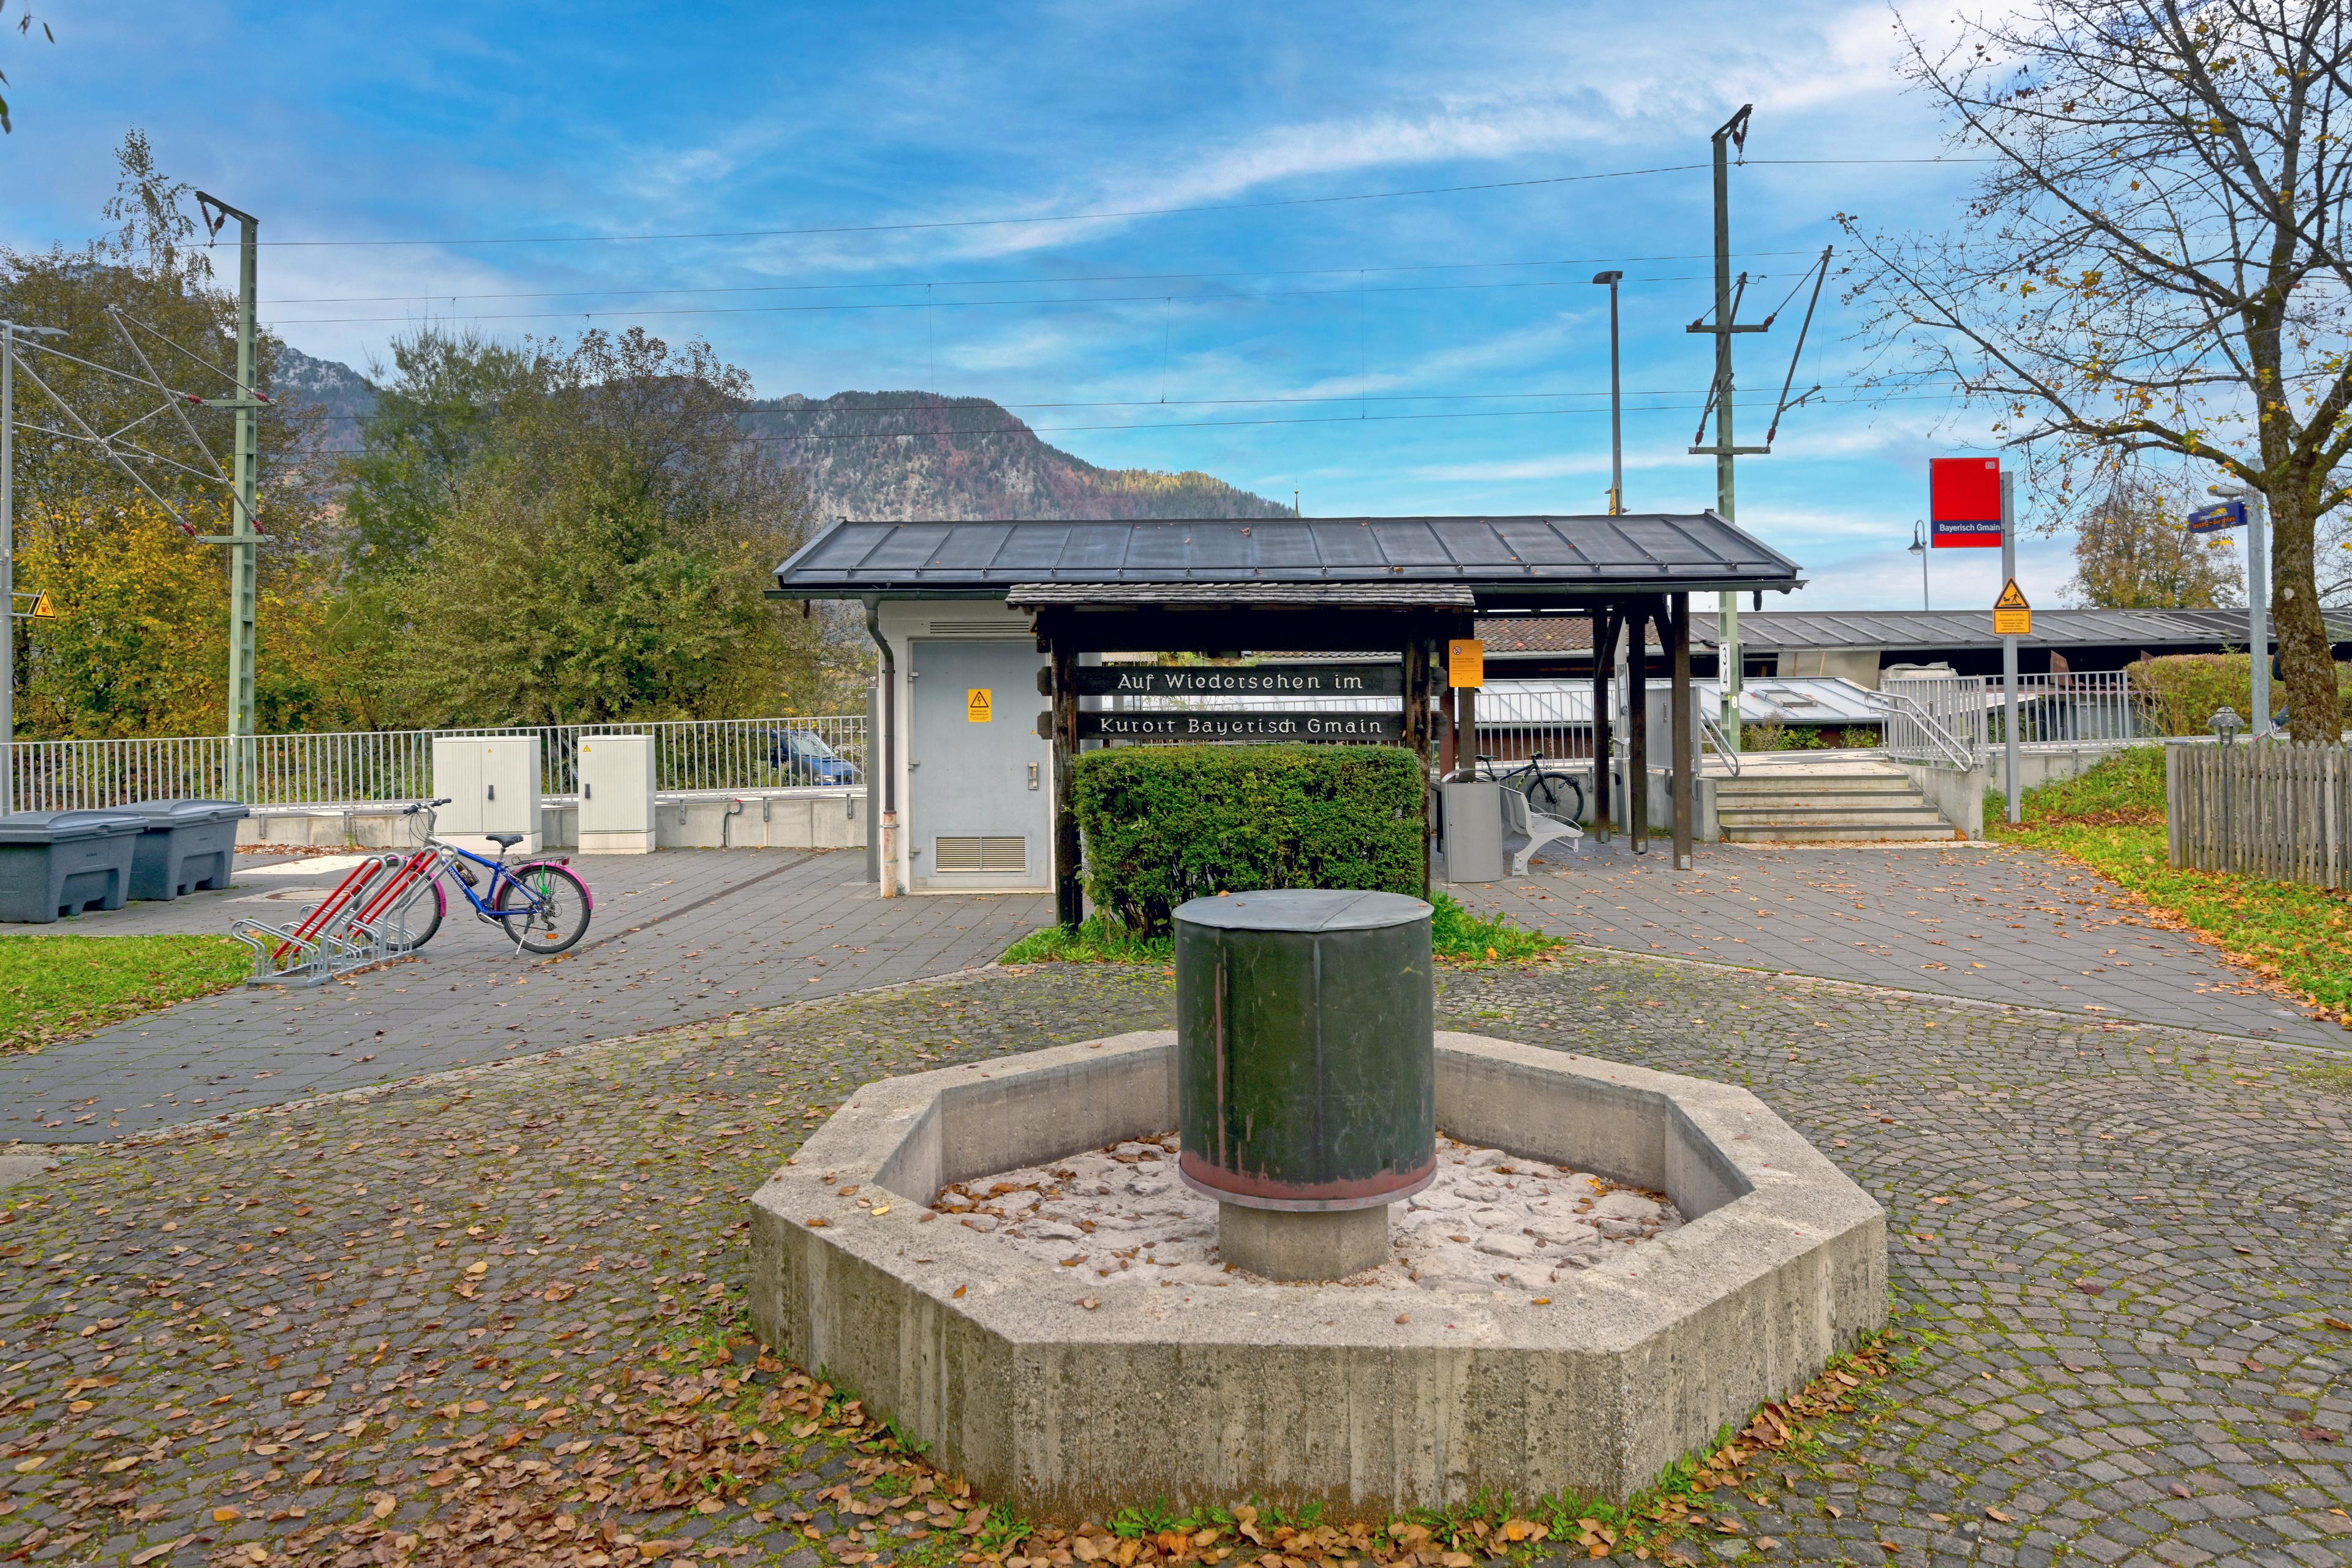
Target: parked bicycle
[
  {"x": 541, "y": 905},
  {"x": 1551, "y": 790}
]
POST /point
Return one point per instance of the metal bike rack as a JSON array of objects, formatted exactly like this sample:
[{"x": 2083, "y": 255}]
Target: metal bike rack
[{"x": 329, "y": 941}]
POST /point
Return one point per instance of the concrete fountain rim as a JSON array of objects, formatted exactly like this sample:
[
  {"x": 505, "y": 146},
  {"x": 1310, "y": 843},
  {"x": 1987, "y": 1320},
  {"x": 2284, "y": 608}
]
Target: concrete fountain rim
[{"x": 1789, "y": 1199}]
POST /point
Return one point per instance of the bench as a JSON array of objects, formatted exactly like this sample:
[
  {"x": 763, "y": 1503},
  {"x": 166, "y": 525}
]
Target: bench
[{"x": 1527, "y": 830}]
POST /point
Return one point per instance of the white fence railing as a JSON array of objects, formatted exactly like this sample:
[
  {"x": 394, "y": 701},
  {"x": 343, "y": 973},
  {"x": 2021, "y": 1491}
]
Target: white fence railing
[
  {"x": 2062, "y": 709},
  {"x": 693, "y": 754}
]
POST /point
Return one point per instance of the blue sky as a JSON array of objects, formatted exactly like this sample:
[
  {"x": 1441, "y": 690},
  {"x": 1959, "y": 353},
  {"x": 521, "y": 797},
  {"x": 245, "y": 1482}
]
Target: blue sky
[{"x": 1431, "y": 353}]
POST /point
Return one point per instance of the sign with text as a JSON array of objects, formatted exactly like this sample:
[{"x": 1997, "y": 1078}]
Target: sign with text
[
  {"x": 1365, "y": 728},
  {"x": 2216, "y": 519},
  {"x": 1239, "y": 680},
  {"x": 979, "y": 704},
  {"x": 1964, "y": 502},
  {"x": 1465, "y": 663},
  {"x": 2011, "y": 615}
]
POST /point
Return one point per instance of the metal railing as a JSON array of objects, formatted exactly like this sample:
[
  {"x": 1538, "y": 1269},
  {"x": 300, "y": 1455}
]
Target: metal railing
[
  {"x": 1920, "y": 730},
  {"x": 360, "y": 766},
  {"x": 1940, "y": 718}
]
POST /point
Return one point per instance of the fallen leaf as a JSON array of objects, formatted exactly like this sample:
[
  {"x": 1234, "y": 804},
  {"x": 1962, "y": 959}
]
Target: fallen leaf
[
  {"x": 2318, "y": 1435},
  {"x": 881, "y": 1208},
  {"x": 1998, "y": 1517},
  {"x": 147, "y": 1554},
  {"x": 226, "y": 1515},
  {"x": 385, "y": 1505}
]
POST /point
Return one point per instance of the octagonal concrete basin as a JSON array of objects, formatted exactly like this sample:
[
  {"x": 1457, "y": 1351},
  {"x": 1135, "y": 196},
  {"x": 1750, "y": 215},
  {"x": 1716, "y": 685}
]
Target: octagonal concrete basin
[{"x": 1067, "y": 1403}]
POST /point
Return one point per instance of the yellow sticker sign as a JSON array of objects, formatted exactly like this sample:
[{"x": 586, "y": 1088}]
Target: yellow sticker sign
[
  {"x": 979, "y": 704},
  {"x": 43, "y": 610},
  {"x": 2011, "y": 615},
  {"x": 1465, "y": 663}
]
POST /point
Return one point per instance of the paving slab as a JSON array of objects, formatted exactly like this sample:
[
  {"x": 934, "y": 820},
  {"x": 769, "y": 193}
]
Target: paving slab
[
  {"x": 1994, "y": 923},
  {"x": 477, "y": 1303},
  {"x": 679, "y": 936}
]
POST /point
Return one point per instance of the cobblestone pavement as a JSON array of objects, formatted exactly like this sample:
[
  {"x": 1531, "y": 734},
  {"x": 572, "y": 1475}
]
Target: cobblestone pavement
[
  {"x": 2002, "y": 924},
  {"x": 679, "y": 936},
  {"x": 309, "y": 1333}
]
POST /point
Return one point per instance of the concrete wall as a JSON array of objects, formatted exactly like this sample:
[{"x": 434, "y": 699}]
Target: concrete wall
[{"x": 814, "y": 819}]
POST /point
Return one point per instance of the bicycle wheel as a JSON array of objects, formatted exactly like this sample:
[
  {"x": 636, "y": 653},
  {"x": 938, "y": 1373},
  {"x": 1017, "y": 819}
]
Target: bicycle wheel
[
  {"x": 547, "y": 906},
  {"x": 414, "y": 920},
  {"x": 1557, "y": 794}
]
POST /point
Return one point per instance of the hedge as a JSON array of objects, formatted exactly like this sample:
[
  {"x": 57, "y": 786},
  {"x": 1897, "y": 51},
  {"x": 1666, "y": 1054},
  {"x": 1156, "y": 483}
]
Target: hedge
[
  {"x": 2179, "y": 691},
  {"x": 1165, "y": 824}
]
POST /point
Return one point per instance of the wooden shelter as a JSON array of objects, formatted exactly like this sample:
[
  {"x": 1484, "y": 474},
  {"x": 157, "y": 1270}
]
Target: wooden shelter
[{"x": 1398, "y": 588}]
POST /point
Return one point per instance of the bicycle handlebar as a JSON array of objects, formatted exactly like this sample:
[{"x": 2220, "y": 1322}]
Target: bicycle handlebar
[{"x": 428, "y": 806}]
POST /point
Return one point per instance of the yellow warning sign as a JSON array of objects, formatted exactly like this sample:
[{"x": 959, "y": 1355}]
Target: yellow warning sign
[
  {"x": 43, "y": 610},
  {"x": 1465, "y": 663},
  {"x": 979, "y": 704},
  {"x": 2011, "y": 615}
]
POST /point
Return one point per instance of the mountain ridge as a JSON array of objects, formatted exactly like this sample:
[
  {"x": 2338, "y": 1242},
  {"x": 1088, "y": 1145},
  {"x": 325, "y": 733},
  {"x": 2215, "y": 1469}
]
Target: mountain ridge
[{"x": 882, "y": 456}]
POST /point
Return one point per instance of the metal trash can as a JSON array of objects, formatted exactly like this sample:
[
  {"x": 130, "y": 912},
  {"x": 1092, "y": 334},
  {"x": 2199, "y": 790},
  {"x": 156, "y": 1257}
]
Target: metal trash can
[
  {"x": 1474, "y": 832},
  {"x": 56, "y": 863},
  {"x": 187, "y": 846}
]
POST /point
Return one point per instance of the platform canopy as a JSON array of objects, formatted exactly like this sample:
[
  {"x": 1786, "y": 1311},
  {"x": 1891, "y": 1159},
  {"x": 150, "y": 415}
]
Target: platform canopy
[{"x": 1501, "y": 562}]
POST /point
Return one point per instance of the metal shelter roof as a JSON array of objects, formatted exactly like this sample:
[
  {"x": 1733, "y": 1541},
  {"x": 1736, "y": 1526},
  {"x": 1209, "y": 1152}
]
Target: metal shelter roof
[
  {"x": 1931, "y": 629},
  {"x": 1500, "y": 558}
]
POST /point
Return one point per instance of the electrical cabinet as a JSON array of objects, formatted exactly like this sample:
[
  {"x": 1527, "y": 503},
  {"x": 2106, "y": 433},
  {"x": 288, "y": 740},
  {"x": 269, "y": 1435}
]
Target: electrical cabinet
[
  {"x": 616, "y": 794},
  {"x": 492, "y": 785}
]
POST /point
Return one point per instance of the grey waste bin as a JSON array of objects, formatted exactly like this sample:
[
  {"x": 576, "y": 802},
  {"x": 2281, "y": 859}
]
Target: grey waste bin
[
  {"x": 56, "y": 863},
  {"x": 1474, "y": 832},
  {"x": 187, "y": 844}
]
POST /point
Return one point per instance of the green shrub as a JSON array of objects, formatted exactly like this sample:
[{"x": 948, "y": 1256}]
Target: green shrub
[
  {"x": 2179, "y": 692},
  {"x": 1455, "y": 933},
  {"x": 1164, "y": 824}
]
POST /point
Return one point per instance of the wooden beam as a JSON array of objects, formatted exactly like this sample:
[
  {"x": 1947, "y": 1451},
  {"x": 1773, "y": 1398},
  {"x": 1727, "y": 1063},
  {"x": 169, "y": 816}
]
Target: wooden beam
[
  {"x": 1069, "y": 892},
  {"x": 1604, "y": 658},
  {"x": 1417, "y": 728},
  {"x": 1685, "y": 786},
  {"x": 1637, "y": 726}
]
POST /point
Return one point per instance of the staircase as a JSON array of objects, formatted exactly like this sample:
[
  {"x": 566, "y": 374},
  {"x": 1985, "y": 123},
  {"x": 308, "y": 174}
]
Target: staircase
[{"x": 1780, "y": 799}]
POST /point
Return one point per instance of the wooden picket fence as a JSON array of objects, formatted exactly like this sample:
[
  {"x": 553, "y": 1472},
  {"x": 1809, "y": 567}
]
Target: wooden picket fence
[{"x": 2264, "y": 808}]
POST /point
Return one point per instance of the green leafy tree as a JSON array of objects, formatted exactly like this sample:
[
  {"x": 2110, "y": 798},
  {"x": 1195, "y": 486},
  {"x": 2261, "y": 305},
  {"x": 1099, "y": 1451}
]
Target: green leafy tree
[
  {"x": 435, "y": 416},
  {"x": 608, "y": 554}
]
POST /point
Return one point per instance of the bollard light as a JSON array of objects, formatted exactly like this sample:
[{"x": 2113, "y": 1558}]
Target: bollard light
[{"x": 2225, "y": 723}]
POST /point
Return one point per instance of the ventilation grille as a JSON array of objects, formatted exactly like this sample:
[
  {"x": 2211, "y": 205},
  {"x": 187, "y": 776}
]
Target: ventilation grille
[
  {"x": 990, "y": 854},
  {"x": 995, "y": 629}
]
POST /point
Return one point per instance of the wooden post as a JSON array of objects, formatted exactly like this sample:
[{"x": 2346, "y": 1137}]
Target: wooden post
[
  {"x": 1684, "y": 787},
  {"x": 1637, "y": 727},
  {"x": 1417, "y": 736},
  {"x": 1604, "y": 658},
  {"x": 1069, "y": 890}
]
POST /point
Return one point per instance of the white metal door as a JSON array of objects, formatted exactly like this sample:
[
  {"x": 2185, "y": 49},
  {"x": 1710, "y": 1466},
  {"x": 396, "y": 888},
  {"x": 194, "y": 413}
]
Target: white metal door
[{"x": 980, "y": 777}]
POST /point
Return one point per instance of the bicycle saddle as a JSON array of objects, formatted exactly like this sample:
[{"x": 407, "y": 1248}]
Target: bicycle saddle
[{"x": 504, "y": 840}]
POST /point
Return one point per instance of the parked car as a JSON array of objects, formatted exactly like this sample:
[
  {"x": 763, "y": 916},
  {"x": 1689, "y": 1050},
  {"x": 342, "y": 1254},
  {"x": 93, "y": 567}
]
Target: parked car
[{"x": 804, "y": 758}]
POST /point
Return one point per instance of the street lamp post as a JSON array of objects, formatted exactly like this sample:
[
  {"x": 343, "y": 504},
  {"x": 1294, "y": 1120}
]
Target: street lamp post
[
  {"x": 2258, "y": 598},
  {"x": 1616, "y": 405},
  {"x": 1919, "y": 548}
]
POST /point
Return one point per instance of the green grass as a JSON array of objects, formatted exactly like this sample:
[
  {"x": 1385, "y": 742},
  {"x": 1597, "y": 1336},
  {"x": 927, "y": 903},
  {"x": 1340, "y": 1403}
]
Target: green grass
[
  {"x": 1456, "y": 934},
  {"x": 2112, "y": 820},
  {"x": 54, "y": 986}
]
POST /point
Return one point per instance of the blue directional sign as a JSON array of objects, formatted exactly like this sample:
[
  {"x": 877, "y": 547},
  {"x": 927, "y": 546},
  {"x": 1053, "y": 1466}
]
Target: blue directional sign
[{"x": 2214, "y": 518}]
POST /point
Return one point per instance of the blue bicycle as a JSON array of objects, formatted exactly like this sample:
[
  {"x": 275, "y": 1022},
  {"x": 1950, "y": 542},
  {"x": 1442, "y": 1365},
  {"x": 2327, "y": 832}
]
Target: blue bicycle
[{"x": 541, "y": 905}]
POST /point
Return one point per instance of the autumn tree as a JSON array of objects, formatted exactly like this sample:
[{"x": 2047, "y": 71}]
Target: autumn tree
[
  {"x": 2133, "y": 551},
  {"x": 2153, "y": 262},
  {"x": 141, "y": 644}
]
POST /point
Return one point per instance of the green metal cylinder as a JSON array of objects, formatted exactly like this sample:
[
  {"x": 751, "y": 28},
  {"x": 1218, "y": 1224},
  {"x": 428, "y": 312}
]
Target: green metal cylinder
[{"x": 1306, "y": 1056}]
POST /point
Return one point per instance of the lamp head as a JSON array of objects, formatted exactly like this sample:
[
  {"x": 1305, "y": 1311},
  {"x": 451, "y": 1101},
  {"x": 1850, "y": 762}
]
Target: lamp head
[
  {"x": 2225, "y": 723},
  {"x": 1609, "y": 278}
]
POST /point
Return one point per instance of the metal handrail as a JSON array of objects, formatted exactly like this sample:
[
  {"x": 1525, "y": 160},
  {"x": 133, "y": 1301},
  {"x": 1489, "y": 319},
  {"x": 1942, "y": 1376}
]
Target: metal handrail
[
  {"x": 1945, "y": 741},
  {"x": 1710, "y": 733}
]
